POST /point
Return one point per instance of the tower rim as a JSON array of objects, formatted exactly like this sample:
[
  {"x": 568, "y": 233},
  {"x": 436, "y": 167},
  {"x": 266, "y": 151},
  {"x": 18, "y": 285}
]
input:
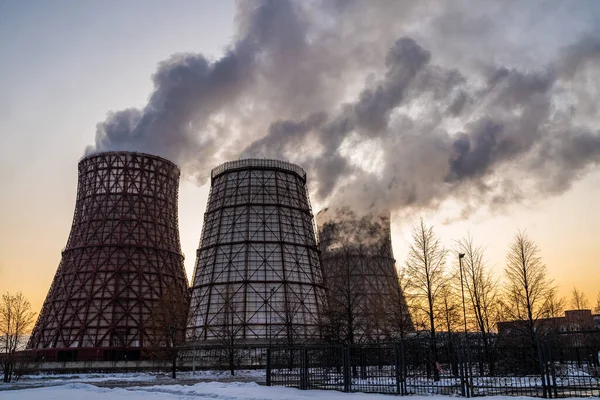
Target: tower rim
[
  {"x": 127, "y": 152},
  {"x": 257, "y": 163}
]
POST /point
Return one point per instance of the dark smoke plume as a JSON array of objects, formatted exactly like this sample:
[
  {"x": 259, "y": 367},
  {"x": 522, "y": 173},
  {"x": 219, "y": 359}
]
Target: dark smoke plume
[{"x": 387, "y": 104}]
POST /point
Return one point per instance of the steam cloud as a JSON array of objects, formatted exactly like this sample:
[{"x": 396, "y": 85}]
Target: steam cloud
[{"x": 387, "y": 104}]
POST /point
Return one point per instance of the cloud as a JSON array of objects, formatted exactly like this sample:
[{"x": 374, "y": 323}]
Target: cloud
[{"x": 455, "y": 100}]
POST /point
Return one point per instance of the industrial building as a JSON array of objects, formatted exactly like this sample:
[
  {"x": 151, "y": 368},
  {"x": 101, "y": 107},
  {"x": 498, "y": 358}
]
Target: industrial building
[
  {"x": 365, "y": 301},
  {"x": 258, "y": 276},
  {"x": 572, "y": 321},
  {"x": 122, "y": 255}
]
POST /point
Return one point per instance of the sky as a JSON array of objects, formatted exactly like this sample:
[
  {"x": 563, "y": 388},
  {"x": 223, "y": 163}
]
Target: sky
[{"x": 479, "y": 118}]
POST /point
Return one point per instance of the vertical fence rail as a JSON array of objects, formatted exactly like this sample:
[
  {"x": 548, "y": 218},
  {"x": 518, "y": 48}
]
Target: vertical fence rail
[
  {"x": 461, "y": 369},
  {"x": 397, "y": 368},
  {"x": 540, "y": 358},
  {"x": 268, "y": 366},
  {"x": 347, "y": 377}
]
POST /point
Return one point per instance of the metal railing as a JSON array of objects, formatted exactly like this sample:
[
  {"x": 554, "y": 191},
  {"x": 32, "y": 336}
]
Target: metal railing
[
  {"x": 553, "y": 366},
  {"x": 256, "y": 163}
]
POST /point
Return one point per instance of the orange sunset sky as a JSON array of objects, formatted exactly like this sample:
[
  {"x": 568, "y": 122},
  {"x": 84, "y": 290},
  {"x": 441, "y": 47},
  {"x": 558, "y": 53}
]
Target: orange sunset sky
[{"x": 67, "y": 64}]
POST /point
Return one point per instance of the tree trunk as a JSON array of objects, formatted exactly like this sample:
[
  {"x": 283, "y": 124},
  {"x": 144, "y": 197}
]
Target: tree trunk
[
  {"x": 434, "y": 355},
  {"x": 6, "y": 373}
]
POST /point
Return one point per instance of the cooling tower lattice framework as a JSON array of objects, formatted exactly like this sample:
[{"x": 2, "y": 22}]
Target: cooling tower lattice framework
[
  {"x": 123, "y": 252},
  {"x": 365, "y": 300},
  {"x": 258, "y": 276}
]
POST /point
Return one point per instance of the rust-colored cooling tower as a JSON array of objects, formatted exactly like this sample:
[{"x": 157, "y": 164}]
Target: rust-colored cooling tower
[
  {"x": 122, "y": 254},
  {"x": 365, "y": 302}
]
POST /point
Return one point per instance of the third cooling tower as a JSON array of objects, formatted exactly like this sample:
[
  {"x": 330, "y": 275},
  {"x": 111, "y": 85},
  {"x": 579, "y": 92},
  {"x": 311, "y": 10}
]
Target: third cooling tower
[
  {"x": 365, "y": 302},
  {"x": 258, "y": 275}
]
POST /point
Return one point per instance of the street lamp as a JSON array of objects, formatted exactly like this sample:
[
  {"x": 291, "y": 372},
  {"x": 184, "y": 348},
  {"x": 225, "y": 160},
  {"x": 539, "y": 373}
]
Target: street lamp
[{"x": 462, "y": 289}]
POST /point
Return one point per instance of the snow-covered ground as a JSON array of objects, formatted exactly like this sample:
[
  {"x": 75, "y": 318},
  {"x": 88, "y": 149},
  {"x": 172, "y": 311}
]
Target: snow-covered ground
[
  {"x": 216, "y": 385},
  {"x": 129, "y": 379},
  {"x": 203, "y": 390},
  {"x": 258, "y": 375}
]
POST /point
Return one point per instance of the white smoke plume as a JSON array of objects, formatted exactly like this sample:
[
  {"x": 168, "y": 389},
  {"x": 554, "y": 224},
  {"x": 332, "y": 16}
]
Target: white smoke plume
[
  {"x": 387, "y": 104},
  {"x": 342, "y": 229}
]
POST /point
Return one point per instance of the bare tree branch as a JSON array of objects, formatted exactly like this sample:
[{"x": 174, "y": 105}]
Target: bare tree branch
[
  {"x": 579, "y": 300},
  {"x": 425, "y": 265},
  {"x": 528, "y": 288},
  {"x": 168, "y": 324},
  {"x": 16, "y": 319},
  {"x": 555, "y": 305},
  {"x": 482, "y": 288}
]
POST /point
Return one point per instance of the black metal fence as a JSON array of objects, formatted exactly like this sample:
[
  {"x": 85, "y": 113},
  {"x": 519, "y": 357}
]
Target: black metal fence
[
  {"x": 223, "y": 357},
  {"x": 557, "y": 365}
]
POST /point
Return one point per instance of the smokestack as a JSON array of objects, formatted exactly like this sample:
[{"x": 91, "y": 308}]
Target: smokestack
[{"x": 122, "y": 254}]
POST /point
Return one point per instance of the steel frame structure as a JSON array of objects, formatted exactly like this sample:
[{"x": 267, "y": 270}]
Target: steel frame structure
[
  {"x": 123, "y": 251},
  {"x": 258, "y": 276},
  {"x": 365, "y": 301}
]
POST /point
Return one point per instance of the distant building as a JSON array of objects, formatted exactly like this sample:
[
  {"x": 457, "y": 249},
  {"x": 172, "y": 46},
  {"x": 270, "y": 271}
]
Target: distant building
[
  {"x": 596, "y": 318},
  {"x": 572, "y": 321}
]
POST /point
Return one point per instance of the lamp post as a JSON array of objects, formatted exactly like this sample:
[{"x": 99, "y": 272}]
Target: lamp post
[{"x": 462, "y": 289}]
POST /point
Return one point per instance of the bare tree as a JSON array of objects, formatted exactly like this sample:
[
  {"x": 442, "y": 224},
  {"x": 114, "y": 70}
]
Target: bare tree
[
  {"x": 555, "y": 305},
  {"x": 229, "y": 329},
  {"x": 331, "y": 324},
  {"x": 425, "y": 266},
  {"x": 597, "y": 307},
  {"x": 449, "y": 312},
  {"x": 579, "y": 300},
  {"x": 450, "y": 317},
  {"x": 402, "y": 322},
  {"x": 482, "y": 292},
  {"x": 528, "y": 288},
  {"x": 16, "y": 318},
  {"x": 347, "y": 317},
  {"x": 168, "y": 323}
]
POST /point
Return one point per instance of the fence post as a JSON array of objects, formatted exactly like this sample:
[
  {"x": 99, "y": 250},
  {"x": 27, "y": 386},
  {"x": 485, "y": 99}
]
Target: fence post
[
  {"x": 462, "y": 368},
  {"x": 404, "y": 368},
  {"x": 304, "y": 369},
  {"x": 547, "y": 359},
  {"x": 397, "y": 366},
  {"x": 541, "y": 362},
  {"x": 346, "y": 358},
  {"x": 194, "y": 360},
  {"x": 551, "y": 375},
  {"x": 468, "y": 369},
  {"x": 268, "y": 366}
]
